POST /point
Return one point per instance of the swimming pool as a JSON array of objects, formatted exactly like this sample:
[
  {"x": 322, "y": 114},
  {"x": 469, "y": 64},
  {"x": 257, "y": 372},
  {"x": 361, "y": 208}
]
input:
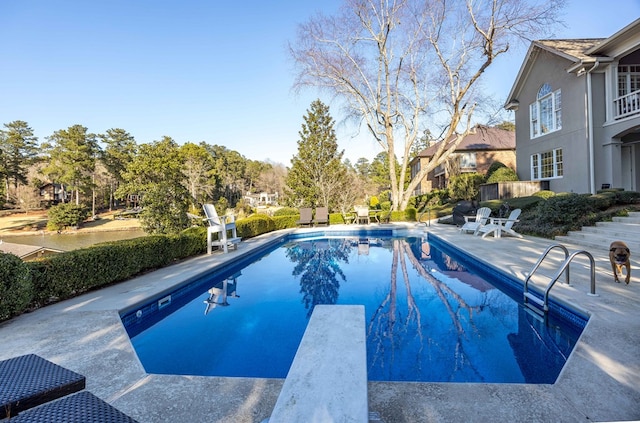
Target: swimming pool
[{"x": 433, "y": 315}]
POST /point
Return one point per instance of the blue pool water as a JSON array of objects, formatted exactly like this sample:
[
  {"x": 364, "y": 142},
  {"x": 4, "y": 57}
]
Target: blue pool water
[{"x": 432, "y": 315}]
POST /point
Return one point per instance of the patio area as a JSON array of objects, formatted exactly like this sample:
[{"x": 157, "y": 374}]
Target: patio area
[{"x": 600, "y": 382}]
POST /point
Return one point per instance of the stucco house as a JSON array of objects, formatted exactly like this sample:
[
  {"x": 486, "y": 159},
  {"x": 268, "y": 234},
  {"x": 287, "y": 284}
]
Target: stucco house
[
  {"x": 577, "y": 112},
  {"x": 475, "y": 153}
]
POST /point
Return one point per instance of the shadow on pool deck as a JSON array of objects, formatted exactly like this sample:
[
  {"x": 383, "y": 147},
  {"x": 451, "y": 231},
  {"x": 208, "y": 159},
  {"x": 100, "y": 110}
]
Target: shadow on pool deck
[{"x": 600, "y": 382}]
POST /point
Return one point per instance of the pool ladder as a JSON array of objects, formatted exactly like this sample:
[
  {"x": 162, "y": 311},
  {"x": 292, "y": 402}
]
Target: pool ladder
[{"x": 543, "y": 303}]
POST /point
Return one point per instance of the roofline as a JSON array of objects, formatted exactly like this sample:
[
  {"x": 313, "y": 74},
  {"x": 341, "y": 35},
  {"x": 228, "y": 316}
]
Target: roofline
[
  {"x": 516, "y": 84},
  {"x": 590, "y": 63},
  {"x": 614, "y": 38}
]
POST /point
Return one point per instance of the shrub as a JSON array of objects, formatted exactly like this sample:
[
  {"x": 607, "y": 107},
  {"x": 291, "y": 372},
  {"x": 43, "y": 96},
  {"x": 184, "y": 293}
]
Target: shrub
[
  {"x": 410, "y": 214},
  {"x": 546, "y": 194},
  {"x": 628, "y": 197},
  {"x": 255, "y": 225},
  {"x": 558, "y": 215},
  {"x": 286, "y": 211},
  {"x": 336, "y": 219},
  {"x": 503, "y": 174},
  {"x": 374, "y": 203},
  {"x": 15, "y": 286},
  {"x": 407, "y": 215},
  {"x": 495, "y": 166},
  {"x": 285, "y": 221},
  {"x": 465, "y": 186},
  {"x": 71, "y": 273},
  {"x": 603, "y": 200},
  {"x": 66, "y": 215}
]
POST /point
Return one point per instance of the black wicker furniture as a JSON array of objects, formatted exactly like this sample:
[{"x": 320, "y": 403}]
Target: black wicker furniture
[
  {"x": 83, "y": 407},
  {"x": 30, "y": 380}
]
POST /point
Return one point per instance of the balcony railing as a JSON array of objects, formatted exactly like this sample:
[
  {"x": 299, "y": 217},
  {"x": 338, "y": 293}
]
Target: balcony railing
[{"x": 627, "y": 105}]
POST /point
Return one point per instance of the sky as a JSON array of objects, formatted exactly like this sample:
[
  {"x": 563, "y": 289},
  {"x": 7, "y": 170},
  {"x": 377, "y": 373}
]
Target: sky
[{"x": 196, "y": 70}]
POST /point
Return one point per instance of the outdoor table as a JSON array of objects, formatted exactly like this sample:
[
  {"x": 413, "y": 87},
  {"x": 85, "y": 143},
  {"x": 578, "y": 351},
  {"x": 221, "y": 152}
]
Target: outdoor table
[{"x": 30, "y": 380}]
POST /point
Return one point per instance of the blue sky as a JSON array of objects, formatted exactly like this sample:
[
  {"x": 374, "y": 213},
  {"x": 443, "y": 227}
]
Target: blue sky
[{"x": 194, "y": 70}]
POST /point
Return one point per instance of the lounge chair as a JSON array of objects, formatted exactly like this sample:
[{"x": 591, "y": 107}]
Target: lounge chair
[
  {"x": 220, "y": 226},
  {"x": 500, "y": 226},
  {"x": 305, "y": 217},
  {"x": 362, "y": 215},
  {"x": 77, "y": 408},
  {"x": 30, "y": 380},
  {"x": 322, "y": 216},
  {"x": 473, "y": 224}
]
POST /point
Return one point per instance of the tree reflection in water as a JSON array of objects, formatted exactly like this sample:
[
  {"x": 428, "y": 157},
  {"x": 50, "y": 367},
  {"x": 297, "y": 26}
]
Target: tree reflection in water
[
  {"x": 397, "y": 330},
  {"x": 318, "y": 265}
]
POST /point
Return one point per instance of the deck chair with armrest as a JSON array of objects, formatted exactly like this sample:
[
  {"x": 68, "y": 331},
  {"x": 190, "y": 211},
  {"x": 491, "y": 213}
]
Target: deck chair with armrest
[
  {"x": 305, "y": 216},
  {"x": 322, "y": 216},
  {"x": 473, "y": 224},
  {"x": 220, "y": 225},
  {"x": 362, "y": 214},
  {"x": 499, "y": 227}
]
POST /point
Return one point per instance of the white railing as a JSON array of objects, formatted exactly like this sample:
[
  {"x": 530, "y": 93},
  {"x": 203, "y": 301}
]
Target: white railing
[{"x": 627, "y": 105}]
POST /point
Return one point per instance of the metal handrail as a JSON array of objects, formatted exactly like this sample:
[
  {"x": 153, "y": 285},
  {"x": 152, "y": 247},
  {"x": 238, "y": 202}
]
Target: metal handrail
[
  {"x": 542, "y": 257},
  {"x": 563, "y": 268},
  {"x": 428, "y": 212}
]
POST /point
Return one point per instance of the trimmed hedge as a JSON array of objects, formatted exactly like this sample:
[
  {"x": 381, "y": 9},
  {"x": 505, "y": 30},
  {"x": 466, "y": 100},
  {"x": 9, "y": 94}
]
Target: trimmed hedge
[
  {"x": 16, "y": 288},
  {"x": 69, "y": 274},
  {"x": 286, "y": 221},
  {"x": 255, "y": 225}
]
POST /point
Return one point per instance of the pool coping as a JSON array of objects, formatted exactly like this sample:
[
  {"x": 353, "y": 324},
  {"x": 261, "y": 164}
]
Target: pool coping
[{"x": 601, "y": 380}]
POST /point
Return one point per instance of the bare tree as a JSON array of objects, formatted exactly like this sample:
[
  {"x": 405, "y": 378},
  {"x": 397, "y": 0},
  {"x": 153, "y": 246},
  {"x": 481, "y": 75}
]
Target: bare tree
[
  {"x": 395, "y": 63},
  {"x": 272, "y": 178}
]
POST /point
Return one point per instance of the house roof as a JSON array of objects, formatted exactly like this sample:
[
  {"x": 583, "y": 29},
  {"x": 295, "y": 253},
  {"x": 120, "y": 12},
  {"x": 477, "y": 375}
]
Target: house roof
[
  {"x": 482, "y": 138},
  {"x": 574, "y": 50},
  {"x": 628, "y": 32},
  {"x": 580, "y": 51},
  {"x": 22, "y": 250}
]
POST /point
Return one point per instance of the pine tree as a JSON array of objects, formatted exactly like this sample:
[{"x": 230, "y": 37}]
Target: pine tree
[
  {"x": 72, "y": 158},
  {"x": 18, "y": 150},
  {"x": 317, "y": 172}
]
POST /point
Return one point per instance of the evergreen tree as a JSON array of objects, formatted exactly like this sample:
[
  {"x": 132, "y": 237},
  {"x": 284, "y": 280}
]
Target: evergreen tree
[
  {"x": 119, "y": 151},
  {"x": 72, "y": 158},
  {"x": 317, "y": 171},
  {"x": 156, "y": 175},
  {"x": 18, "y": 150}
]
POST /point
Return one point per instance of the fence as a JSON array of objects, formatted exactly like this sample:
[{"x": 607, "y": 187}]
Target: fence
[{"x": 505, "y": 190}]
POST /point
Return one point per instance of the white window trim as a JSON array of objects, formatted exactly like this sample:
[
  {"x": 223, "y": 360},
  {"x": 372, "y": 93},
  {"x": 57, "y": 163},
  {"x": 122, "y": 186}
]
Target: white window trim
[
  {"x": 539, "y": 166},
  {"x": 535, "y": 118}
]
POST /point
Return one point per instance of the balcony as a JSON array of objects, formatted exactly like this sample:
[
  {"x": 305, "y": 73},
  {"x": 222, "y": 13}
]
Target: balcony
[{"x": 627, "y": 105}]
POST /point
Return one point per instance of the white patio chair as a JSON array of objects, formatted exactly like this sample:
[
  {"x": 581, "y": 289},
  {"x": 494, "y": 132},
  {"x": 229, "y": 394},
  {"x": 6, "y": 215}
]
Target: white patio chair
[
  {"x": 220, "y": 226},
  {"x": 473, "y": 224}
]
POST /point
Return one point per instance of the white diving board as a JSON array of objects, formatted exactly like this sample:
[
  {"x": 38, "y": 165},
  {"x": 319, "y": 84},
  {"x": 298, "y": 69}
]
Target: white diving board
[{"x": 327, "y": 381}]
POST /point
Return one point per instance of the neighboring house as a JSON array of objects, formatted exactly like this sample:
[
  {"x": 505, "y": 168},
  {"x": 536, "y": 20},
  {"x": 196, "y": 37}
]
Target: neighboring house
[
  {"x": 262, "y": 199},
  {"x": 475, "y": 153},
  {"x": 27, "y": 252},
  {"x": 577, "y": 112},
  {"x": 53, "y": 193}
]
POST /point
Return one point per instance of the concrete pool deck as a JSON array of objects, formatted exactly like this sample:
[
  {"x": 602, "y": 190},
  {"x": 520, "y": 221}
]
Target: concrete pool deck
[{"x": 600, "y": 382}]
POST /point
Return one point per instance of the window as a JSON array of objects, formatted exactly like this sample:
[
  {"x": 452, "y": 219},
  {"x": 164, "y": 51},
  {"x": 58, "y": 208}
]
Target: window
[
  {"x": 467, "y": 160},
  {"x": 628, "y": 79},
  {"x": 546, "y": 112},
  {"x": 547, "y": 165}
]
